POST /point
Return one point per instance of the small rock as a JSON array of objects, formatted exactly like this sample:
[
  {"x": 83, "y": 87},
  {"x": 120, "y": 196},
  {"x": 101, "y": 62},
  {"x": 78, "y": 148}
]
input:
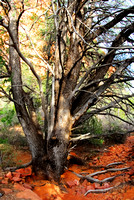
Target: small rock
[
  {"x": 26, "y": 185},
  {"x": 28, "y": 194},
  {"x": 18, "y": 186},
  {"x": 5, "y": 181},
  {"x": 1, "y": 194},
  {"x": 9, "y": 175},
  {"x": 7, "y": 190},
  {"x": 70, "y": 184},
  {"x": 16, "y": 179}
]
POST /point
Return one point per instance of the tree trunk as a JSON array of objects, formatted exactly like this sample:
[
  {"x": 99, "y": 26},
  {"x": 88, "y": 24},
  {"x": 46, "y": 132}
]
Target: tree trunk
[
  {"x": 51, "y": 157},
  {"x": 35, "y": 140},
  {"x": 59, "y": 140}
]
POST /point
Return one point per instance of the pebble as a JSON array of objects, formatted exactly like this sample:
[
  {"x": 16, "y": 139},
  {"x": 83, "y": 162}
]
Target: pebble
[{"x": 1, "y": 194}]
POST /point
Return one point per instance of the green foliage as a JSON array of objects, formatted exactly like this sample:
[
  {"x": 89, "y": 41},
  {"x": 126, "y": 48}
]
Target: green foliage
[
  {"x": 27, "y": 3},
  {"x": 7, "y": 155},
  {"x": 96, "y": 141},
  {"x": 8, "y": 115},
  {"x": 115, "y": 127},
  {"x": 93, "y": 126},
  {"x": 2, "y": 64},
  {"x": 34, "y": 16},
  {"x": 3, "y": 141},
  {"x": 12, "y": 137}
]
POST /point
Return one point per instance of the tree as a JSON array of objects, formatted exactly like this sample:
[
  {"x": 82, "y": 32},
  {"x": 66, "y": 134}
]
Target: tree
[{"x": 82, "y": 83}]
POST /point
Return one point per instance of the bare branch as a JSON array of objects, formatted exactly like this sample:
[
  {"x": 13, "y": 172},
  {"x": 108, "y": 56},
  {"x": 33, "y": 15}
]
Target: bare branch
[
  {"x": 112, "y": 23},
  {"x": 47, "y": 65},
  {"x": 38, "y": 19}
]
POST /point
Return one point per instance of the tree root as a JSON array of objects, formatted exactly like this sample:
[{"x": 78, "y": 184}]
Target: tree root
[
  {"x": 99, "y": 190},
  {"x": 106, "y": 189},
  {"x": 94, "y": 180},
  {"x": 115, "y": 163},
  {"x": 107, "y": 166},
  {"x": 12, "y": 169},
  {"x": 109, "y": 170},
  {"x": 109, "y": 179}
]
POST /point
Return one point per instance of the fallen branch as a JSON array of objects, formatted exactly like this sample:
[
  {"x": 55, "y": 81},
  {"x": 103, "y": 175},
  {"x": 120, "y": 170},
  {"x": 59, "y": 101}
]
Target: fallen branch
[
  {"x": 77, "y": 137},
  {"x": 12, "y": 169},
  {"x": 81, "y": 137}
]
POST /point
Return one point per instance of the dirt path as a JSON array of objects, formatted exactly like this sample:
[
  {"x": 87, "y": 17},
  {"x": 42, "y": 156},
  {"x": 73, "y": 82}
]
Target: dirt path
[{"x": 22, "y": 184}]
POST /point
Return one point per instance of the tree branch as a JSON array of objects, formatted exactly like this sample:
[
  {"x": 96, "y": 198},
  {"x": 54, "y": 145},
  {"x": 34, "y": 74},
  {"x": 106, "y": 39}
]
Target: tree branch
[{"x": 110, "y": 24}]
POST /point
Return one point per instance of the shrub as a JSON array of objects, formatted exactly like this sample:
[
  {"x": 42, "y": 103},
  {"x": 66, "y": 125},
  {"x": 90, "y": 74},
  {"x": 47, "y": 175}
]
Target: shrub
[
  {"x": 8, "y": 115},
  {"x": 92, "y": 125}
]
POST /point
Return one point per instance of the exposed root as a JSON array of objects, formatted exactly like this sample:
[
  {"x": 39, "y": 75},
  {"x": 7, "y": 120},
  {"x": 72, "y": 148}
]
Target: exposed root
[
  {"x": 109, "y": 170},
  {"x": 12, "y": 169},
  {"x": 115, "y": 163},
  {"x": 109, "y": 179},
  {"x": 94, "y": 180},
  {"x": 99, "y": 190},
  {"x": 106, "y": 189},
  {"x": 107, "y": 166}
]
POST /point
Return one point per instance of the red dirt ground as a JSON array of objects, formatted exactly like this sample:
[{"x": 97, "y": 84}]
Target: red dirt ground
[{"x": 22, "y": 184}]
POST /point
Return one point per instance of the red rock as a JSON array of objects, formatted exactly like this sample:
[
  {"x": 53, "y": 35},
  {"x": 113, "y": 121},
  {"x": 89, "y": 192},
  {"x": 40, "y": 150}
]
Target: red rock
[
  {"x": 131, "y": 172},
  {"x": 28, "y": 194},
  {"x": 96, "y": 185},
  {"x": 85, "y": 182},
  {"x": 25, "y": 172},
  {"x": 6, "y": 190},
  {"x": 76, "y": 182},
  {"x": 106, "y": 185},
  {"x": 9, "y": 175},
  {"x": 83, "y": 190},
  {"x": 90, "y": 187},
  {"x": 16, "y": 179},
  {"x": 4, "y": 181},
  {"x": 26, "y": 185},
  {"x": 70, "y": 183},
  {"x": 16, "y": 174},
  {"x": 117, "y": 184},
  {"x": 18, "y": 186}
]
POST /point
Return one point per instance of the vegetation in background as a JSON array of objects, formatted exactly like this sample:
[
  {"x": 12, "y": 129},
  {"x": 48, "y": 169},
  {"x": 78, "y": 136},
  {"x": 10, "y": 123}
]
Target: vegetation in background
[{"x": 8, "y": 115}]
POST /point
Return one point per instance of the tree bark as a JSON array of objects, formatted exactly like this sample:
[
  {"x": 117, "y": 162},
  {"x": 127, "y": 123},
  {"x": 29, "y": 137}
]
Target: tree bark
[
  {"x": 35, "y": 140},
  {"x": 48, "y": 157}
]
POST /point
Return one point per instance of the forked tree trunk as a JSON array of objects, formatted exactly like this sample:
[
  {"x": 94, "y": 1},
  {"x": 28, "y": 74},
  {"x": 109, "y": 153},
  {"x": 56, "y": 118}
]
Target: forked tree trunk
[{"x": 50, "y": 155}]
